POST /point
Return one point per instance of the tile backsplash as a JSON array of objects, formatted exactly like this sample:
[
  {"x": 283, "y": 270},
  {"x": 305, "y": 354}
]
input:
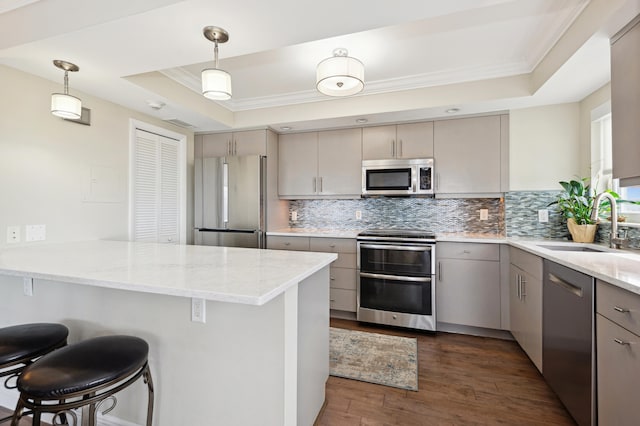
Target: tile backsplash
[
  {"x": 437, "y": 215},
  {"x": 515, "y": 215}
]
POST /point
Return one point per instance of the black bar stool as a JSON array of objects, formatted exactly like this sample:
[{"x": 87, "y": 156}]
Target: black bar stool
[
  {"x": 83, "y": 375},
  {"x": 21, "y": 344}
]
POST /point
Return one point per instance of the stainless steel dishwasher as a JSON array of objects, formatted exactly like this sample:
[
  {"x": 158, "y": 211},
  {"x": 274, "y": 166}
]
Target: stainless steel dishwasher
[{"x": 568, "y": 356}]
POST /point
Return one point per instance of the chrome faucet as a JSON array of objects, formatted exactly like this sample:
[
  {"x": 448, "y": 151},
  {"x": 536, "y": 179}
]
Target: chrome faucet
[{"x": 614, "y": 241}]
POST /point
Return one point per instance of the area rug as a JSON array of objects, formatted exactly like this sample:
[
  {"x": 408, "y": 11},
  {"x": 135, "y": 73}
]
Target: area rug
[{"x": 374, "y": 358}]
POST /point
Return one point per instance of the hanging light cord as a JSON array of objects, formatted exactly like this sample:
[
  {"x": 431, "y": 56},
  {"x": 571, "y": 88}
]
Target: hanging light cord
[
  {"x": 66, "y": 82},
  {"x": 215, "y": 52}
]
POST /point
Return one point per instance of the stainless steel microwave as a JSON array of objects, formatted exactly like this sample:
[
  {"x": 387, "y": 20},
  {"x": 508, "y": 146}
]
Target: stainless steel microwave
[{"x": 397, "y": 177}]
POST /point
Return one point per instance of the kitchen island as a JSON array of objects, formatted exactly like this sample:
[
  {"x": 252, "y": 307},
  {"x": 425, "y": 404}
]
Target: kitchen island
[{"x": 261, "y": 357}]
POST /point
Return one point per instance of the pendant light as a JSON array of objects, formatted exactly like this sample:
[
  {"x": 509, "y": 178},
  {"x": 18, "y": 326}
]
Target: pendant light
[
  {"x": 340, "y": 75},
  {"x": 63, "y": 104},
  {"x": 216, "y": 83}
]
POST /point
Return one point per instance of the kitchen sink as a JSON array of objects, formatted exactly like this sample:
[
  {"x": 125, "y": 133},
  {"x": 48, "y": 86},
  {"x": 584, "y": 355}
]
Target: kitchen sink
[{"x": 562, "y": 247}]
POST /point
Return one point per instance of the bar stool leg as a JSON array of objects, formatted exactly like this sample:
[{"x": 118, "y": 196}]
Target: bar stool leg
[{"x": 147, "y": 379}]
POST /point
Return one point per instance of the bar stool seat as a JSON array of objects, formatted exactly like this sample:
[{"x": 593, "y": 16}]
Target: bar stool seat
[
  {"x": 21, "y": 344},
  {"x": 83, "y": 375}
]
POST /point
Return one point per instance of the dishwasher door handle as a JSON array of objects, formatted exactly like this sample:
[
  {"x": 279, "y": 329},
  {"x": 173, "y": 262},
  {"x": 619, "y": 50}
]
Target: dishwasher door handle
[{"x": 567, "y": 286}]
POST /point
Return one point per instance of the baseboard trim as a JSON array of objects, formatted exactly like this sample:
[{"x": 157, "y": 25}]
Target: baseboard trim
[{"x": 474, "y": 331}]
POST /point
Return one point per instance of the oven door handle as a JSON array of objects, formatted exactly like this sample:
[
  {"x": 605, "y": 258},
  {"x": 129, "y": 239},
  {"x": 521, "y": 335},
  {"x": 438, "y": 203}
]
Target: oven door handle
[
  {"x": 395, "y": 277},
  {"x": 392, "y": 247}
]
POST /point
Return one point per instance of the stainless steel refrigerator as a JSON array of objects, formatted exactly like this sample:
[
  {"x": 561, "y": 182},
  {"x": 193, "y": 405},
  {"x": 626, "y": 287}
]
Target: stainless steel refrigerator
[{"x": 230, "y": 201}]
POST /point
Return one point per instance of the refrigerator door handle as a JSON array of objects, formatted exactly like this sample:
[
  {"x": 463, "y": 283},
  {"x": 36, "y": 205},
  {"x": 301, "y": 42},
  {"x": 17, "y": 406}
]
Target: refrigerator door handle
[{"x": 225, "y": 194}]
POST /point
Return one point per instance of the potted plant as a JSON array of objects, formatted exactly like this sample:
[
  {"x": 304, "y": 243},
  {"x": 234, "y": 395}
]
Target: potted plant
[{"x": 575, "y": 203}]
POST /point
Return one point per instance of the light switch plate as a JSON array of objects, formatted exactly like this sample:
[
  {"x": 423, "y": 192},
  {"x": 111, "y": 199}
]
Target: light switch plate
[
  {"x": 35, "y": 232},
  {"x": 358, "y": 215},
  {"x": 484, "y": 214},
  {"x": 294, "y": 216},
  {"x": 543, "y": 215}
]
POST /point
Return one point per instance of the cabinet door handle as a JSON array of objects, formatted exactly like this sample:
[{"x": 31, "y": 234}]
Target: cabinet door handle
[
  {"x": 622, "y": 310},
  {"x": 400, "y": 141},
  {"x": 439, "y": 271},
  {"x": 287, "y": 244},
  {"x": 393, "y": 148},
  {"x": 235, "y": 147},
  {"x": 518, "y": 286},
  {"x": 332, "y": 278},
  {"x": 621, "y": 342},
  {"x": 320, "y": 184},
  {"x": 437, "y": 181},
  {"x": 332, "y": 245},
  {"x": 523, "y": 287},
  {"x": 314, "y": 185}
]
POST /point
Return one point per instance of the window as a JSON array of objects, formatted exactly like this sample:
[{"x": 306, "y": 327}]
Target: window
[
  {"x": 602, "y": 165},
  {"x": 157, "y": 201}
]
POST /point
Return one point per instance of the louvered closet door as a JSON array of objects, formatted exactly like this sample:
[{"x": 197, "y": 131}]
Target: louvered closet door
[{"x": 156, "y": 210}]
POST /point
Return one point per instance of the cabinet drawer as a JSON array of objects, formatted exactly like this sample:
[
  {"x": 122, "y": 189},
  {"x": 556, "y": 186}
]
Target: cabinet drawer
[
  {"x": 344, "y": 278},
  {"x": 528, "y": 262},
  {"x": 342, "y": 300},
  {"x": 475, "y": 251},
  {"x": 345, "y": 260},
  {"x": 288, "y": 243},
  {"x": 618, "y": 374},
  {"x": 333, "y": 245},
  {"x": 610, "y": 300}
]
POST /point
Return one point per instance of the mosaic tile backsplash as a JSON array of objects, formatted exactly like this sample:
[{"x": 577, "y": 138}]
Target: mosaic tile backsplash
[
  {"x": 437, "y": 215},
  {"x": 516, "y": 215}
]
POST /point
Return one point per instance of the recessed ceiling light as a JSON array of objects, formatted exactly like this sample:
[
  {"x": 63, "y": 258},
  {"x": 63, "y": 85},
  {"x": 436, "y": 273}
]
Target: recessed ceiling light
[
  {"x": 285, "y": 128},
  {"x": 361, "y": 120},
  {"x": 452, "y": 110}
]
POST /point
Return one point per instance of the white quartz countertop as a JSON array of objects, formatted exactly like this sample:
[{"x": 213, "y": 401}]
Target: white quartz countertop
[
  {"x": 618, "y": 267},
  {"x": 226, "y": 274}
]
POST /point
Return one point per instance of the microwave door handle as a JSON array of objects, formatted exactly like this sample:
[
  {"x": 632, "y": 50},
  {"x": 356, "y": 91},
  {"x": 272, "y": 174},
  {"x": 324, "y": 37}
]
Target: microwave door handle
[{"x": 392, "y": 247}]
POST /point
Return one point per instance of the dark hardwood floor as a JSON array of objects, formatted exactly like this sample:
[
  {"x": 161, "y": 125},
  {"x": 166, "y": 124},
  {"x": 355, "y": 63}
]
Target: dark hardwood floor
[
  {"x": 25, "y": 421},
  {"x": 462, "y": 380}
]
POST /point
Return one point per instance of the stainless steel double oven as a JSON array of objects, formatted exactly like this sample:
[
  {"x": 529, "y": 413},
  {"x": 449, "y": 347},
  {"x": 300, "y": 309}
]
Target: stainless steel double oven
[{"x": 396, "y": 284}]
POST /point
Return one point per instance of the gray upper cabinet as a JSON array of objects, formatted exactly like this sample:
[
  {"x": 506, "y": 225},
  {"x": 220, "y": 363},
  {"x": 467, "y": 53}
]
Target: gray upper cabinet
[
  {"x": 298, "y": 164},
  {"x": 625, "y": 103},
  {"x": 340, "y": 162},
  {"x": 413, "y": 140},
  {"x": 467, "y": 155},
  {"x": 320, "y": 164},
  {"x": 249, "y": 142}
]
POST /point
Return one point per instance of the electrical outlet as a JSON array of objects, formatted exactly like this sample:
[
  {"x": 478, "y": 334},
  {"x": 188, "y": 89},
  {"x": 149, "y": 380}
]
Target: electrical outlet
[
  {"x": 27, "y": 284},
  {"x": 35, "y": 233},
  {"x": 543, "y": 215},
  {"x": 13, "y": 234},
  {"x": 198, "y": 310},
  {"x": 294, "y": 216},
  {"x": 358, "y": 215},
  {"x": 484, "y": 214}
]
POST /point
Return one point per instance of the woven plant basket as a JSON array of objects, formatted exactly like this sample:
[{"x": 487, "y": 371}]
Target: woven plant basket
[{"x": 581, "y": 233}]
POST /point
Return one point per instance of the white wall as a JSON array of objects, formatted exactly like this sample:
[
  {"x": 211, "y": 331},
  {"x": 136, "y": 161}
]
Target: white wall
[
  {"x": 544, "y": 147},
  {"x": 45, "y": 162}
]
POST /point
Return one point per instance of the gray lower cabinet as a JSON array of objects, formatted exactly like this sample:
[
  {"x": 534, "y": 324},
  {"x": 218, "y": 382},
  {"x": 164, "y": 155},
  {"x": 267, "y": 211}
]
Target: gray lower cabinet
[
  {"x": 342, "y": 273},
  {"x": 525, "y": 302},
  {"x": 468, "y": 284},
  {"x": 618, "y": 354}
]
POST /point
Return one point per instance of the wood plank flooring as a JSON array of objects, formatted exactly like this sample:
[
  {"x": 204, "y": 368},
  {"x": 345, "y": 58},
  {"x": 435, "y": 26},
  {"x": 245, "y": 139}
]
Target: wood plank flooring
[{"x": 462, "y": 380}]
